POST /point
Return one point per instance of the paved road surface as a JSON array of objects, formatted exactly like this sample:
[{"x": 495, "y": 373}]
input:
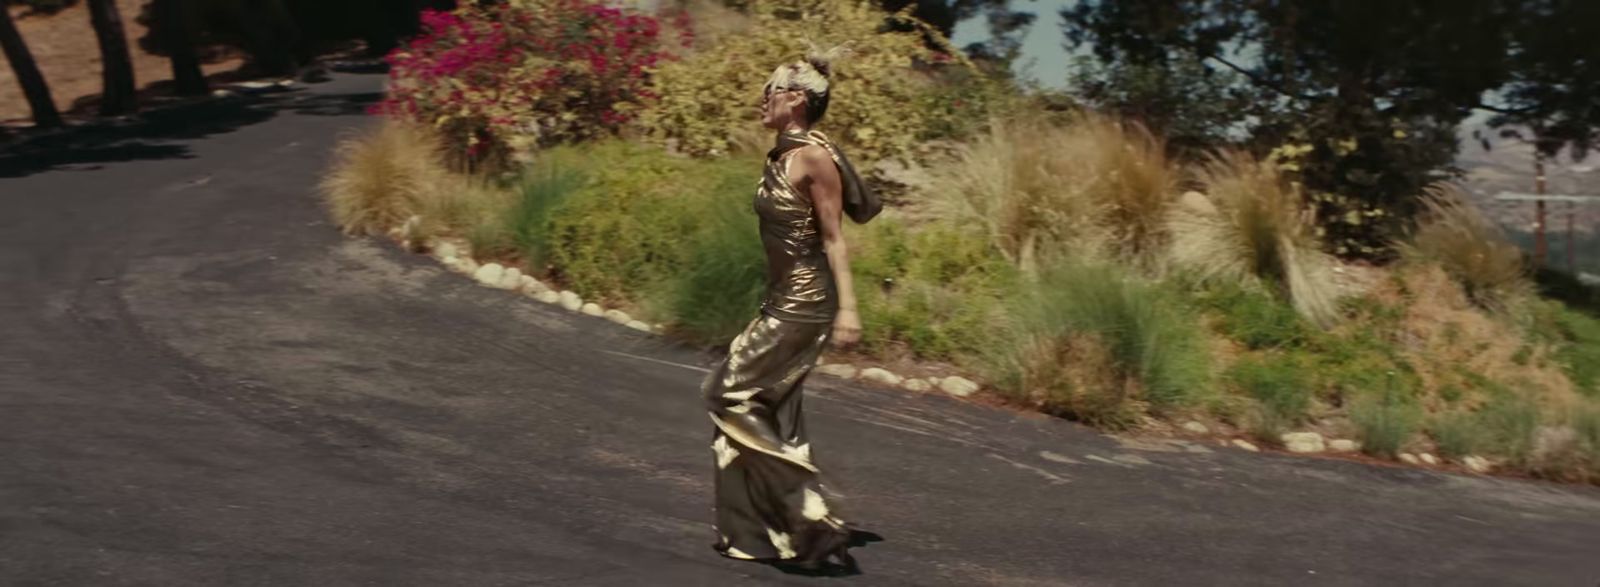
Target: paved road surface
[{"x": 204, "y": 384}]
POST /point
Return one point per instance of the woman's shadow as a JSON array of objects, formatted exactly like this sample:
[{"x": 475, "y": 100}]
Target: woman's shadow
[{"x": 845, "y": 566}]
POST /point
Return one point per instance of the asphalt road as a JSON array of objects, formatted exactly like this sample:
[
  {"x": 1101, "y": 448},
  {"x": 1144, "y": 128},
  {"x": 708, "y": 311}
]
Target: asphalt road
[{"x": 203, "y": 383}]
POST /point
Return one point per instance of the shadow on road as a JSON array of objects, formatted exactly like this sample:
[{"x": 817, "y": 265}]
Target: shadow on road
[{"x": 164, "y": 133}]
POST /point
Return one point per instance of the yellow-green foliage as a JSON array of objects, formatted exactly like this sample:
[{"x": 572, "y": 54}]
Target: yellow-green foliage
[
  {"x": 712, "y": 93},
  {"x": 1253, "y": 224},
  {"x": 1470, "y": 248},
  {"x": 628, "y": 226},
  {"x": 1040, "y": 186},
  {"x": 933, "y": 290}
]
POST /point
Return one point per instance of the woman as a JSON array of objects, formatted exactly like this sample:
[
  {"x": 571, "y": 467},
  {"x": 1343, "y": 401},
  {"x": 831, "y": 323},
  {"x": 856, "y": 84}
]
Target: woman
[{"x": 769, "y": 503}]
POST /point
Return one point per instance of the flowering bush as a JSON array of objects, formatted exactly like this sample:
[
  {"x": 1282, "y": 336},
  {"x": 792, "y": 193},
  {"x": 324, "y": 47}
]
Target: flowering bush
[{"x": 499, "y": 80}]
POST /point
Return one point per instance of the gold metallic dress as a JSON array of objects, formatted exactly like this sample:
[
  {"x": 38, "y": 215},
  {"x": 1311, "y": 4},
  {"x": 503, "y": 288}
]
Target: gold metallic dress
[{"x": 769, "y": 500}]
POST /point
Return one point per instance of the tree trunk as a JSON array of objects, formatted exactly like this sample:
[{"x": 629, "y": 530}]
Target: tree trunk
[
  {"x": 270, "y": 35},
  {"x": 116, "y": 66},
  {"x": 177, "y": 38},
  {"x": 27, "y": 71}
]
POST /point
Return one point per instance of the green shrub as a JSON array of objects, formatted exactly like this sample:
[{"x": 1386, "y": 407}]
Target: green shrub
[
  {"x": 1386, "y": 420},
  {"x": 1255, "y": 319},
  {"x": 1509, "y": 421},
  {"x": 935, "y": 290},
  {"x": 1576, "y": 337},
  {"x": 1586, "y": 422},
  {"x": 1078, "y": 314},
  {"x": 719, "y": 289},
  {"x": 539, "y": 190},
  {"x": 1457, "y": 433},
  {"x": 626, "y": 228},
  {"x": 1283, "y": 386}
]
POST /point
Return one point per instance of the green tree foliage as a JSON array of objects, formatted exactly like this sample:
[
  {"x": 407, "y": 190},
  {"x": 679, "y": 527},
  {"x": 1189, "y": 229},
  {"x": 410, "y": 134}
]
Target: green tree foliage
[
  {"x": 1006, "y": 26},
  {"x": 1555, "y": 75},
  {"x": 1361, "y": 98}
]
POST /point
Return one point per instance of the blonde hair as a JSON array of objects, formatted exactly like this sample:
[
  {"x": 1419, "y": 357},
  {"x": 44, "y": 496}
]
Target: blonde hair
[{"x": 810, "y": 74}]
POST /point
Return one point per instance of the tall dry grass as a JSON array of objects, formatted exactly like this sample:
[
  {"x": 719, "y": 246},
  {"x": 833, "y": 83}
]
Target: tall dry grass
[
  {"x": 1041, "y": 186},
  {"x": 382, "y": 177},
  {"x": 1470, "y": 248},
  {"x": 1253, "y": 224}
]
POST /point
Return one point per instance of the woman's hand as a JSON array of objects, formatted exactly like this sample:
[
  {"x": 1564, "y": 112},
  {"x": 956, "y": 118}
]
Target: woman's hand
[{"x": 846, "y": 328}]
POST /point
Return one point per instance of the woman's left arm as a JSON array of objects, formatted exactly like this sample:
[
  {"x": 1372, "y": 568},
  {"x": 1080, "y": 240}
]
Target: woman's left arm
[{"x": 822, "y": 184}]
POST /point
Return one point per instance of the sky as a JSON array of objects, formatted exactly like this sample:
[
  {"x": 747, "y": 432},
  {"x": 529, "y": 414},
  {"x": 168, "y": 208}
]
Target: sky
[{"x": 1042, "y": 47}]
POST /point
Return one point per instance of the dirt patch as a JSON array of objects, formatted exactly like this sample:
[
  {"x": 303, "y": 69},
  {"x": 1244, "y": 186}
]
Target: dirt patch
[{"x": 69, "y": 57}]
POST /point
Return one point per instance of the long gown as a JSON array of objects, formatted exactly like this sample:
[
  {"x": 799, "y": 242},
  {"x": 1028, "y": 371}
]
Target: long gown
[{"x": 769, "y": 499}]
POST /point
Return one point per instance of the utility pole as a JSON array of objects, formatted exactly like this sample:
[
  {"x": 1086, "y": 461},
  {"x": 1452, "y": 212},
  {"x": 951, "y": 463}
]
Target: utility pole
[
  {"x": 1539, "y": 244},
  {"x": 1540, "y": 249}
]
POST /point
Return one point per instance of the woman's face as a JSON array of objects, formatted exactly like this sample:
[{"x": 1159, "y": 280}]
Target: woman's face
[{"x": 779, "y": 106}]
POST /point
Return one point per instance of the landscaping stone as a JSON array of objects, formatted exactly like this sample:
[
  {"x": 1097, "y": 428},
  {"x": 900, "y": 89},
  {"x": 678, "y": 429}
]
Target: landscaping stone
[
  {"x": 1245, "y": 444},
  {"x": 511, "y": 278},
  {"x": 1428, "y": 458},
  {"x": 548, "y": 297},
  {"x": 881, "y": 376},
  {"x": 533, "y": 287},
  {"x": 1476, "y": 464},
  {"x": 489, "y": 274},
  {"x": 445, "y": 250},
  {"x": 1409, "y": 459},
  {"x": 1196, "y": 427},
  {"x": 1303, "y": 442},
  {"x": 1343, "y": 445},
  {"x": 591, "y": 309},
  {"x": 639, "y": 326},
  {"x": 839, "y": 370},
  {"x": 918, "y": 385},
  {"x": 618, "y": 316},
  {"x": 958, "y": 386},
  {"x": 570, "y": 301}
]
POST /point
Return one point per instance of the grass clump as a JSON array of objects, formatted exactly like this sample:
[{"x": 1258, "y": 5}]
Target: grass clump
[
  {"x": 1251, "y": 317},
  {"x": 1281, "y": 385},
  {"x": 1509, "y": 422},
  {"x": 1100, "y": 346},
  {"x": 1576, "y": 338},
  {"x": 719, "y": 288},
  {"x": 1457, "y": 433},
  {"x": 1385, "y": 421},
  {"x": 540, "y": 191},
  {"x": 383, "y": 176},
  {"x": 1254, "y": 225},
  {"x": 1039, "y": 186},
  {"x": 1470, "y": 248}
]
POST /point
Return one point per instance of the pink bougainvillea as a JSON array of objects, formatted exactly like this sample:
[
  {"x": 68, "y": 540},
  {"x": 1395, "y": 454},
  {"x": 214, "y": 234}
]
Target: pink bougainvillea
[{"x": 510, "y": 77}]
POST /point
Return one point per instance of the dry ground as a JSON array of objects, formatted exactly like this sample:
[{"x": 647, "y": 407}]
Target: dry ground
[{"x": 64, "y": 45}]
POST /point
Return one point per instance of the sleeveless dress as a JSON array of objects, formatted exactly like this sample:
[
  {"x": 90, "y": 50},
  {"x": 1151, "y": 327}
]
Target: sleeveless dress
[{"x": 769, "y": 499}]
